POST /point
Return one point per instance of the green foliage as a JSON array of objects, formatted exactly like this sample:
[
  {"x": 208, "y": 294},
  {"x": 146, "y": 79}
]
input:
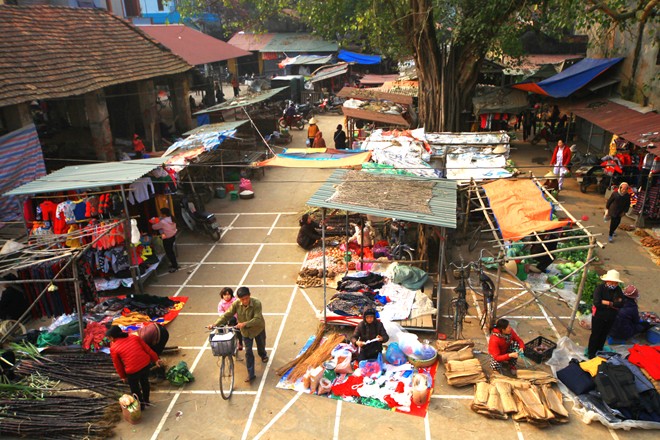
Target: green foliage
[{"x": 590, "y": 284}]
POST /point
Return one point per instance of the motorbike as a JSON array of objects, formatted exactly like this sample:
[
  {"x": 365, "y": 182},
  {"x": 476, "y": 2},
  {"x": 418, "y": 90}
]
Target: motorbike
[
  {"x": 331, "y": 104},
  {"x": 603, "y": 175},
  {"x": 547, "y": 134},
  {"x": 306, "y": 110},
  {"x": 299, "y": 122},
  {"x": 198, "y": 219}
]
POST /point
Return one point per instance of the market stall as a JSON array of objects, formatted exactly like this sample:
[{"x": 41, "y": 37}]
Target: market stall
[
  {"x": 523, "y": 214},
  {"x": 91, "y": 197},
  {"x": 431, "y": 203}
]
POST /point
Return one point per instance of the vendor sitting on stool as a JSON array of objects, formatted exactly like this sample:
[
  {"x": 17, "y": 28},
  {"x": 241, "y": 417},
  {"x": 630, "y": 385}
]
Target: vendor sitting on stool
[
  {"x": 369, "y": 336},
  {"x": 503, "y": 347}
]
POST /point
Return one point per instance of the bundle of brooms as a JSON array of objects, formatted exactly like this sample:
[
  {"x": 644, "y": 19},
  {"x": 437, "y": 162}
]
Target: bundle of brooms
[{"x": 318, "y": 352}]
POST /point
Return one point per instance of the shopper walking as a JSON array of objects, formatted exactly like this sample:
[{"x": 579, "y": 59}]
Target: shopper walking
[
  {"x": 311, "y": 132},
  {"x": 561, "y": 157},
  {"x": 617, "y": 206},
  {"x": 608, "y": 299},
  {"x": 168, "y": 231},
  {"x": 340, "y": 138},
  {"x": 252, "y": 325},
  {"x": 132, "y": 358},
  {"x": 235, "y": 85}
]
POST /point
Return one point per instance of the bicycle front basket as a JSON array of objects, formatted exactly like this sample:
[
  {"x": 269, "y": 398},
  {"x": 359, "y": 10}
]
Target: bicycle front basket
[{"x": 223, "y": 344}]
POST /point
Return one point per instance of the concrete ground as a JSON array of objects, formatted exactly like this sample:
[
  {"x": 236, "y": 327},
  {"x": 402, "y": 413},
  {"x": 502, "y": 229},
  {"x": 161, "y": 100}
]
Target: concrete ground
[{"x": 258, "y": 250}]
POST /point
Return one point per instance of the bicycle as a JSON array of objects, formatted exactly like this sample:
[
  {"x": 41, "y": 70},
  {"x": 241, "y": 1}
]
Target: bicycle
[
  {"x": 487, "y": 293},
  {"x": 398, "y": 248},
  {"x": 223, "y": 345},
  {"x": 458, "y": 307}
]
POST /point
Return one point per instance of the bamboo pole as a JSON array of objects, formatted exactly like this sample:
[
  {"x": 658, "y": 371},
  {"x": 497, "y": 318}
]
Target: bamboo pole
[
  {"x": 585, "y": 271},
  {"x": 441, "y": 267}
]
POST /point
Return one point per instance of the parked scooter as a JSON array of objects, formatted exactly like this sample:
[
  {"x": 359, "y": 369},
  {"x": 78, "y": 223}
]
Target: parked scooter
[
  {"x": 332, "y": 105},
  {"x": 298, "y": 121},
  {"x": 548, "y": 135},
  {"x": 198, "y": 219},
  {"x": 603, "y": 175}
]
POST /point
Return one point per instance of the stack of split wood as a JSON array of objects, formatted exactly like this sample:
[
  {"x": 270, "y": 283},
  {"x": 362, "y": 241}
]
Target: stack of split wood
[
  {"x": 461, "y": 368},
  {"x": 529, "y": 398}
]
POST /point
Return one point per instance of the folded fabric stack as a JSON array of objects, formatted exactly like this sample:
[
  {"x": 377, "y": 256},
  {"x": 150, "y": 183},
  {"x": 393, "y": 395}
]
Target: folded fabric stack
[{"x": 529, "y": 398}]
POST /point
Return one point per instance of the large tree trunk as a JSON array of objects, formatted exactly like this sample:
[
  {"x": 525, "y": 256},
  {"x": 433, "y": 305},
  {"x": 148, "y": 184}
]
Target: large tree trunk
[
  {"x": 424, "y": 45},
  {"x": 460, "y": 74}
]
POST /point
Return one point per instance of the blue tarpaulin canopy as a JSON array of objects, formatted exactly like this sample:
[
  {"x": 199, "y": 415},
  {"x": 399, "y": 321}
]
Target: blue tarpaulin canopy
[
  {"x": 358, "y": 58},
  {"x": 570, "y": 80}
]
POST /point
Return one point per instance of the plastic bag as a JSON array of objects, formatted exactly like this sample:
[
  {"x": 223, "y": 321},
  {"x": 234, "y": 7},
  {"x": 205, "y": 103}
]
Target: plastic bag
[
  {"x": 344, "y": 365},
  {"x": 245, "y": 185},
  {"x": 394, "y": 355},
  {"x": 584, "y": 320},
  {"x": 394, "y": 330},
  {"x": 410, "y": 345},
  {"x": 372, "y": 368}
]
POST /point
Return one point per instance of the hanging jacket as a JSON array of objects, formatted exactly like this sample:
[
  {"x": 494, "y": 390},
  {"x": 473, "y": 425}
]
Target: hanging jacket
[{"x": 499, "y": 345}]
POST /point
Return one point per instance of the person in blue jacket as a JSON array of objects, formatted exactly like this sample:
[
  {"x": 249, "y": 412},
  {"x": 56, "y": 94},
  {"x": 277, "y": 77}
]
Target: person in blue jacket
[{"x": 627, "y": 323}]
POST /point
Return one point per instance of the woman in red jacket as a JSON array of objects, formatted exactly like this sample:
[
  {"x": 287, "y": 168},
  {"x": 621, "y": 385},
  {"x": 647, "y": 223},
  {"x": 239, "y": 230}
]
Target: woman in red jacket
[
  {"x": 132, "y": 358},
  {"x": 561, "y": 157},
  {"x": 503, "y": 347}
]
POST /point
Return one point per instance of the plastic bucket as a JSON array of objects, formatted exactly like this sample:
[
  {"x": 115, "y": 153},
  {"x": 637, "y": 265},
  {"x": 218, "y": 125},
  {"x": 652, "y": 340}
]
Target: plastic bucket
[{"x": 220, "y": 193}]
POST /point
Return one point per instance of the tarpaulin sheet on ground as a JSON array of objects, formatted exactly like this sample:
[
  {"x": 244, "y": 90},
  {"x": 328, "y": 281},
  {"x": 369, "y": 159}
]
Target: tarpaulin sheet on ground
[
  {"x": 392, "y": 390},
  {"x": 317, "y": 158},
  {"x": 570, "y": 80},
  {"x": 520, "y": 208}
]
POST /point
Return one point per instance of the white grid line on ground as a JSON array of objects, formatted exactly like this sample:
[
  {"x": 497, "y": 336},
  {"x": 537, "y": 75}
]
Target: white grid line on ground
[
  {"x": 512, "y": 317},
  {"x": 215, "y": 314},
  {"x": 201, "y": 286},
  {"x": 309, "y": 301},
  {"x": 275, "y": 222},
  {"x": 278, "y": 415},
  {"x": 427, "y": 426},
  {"x": 168, "y": 411},
  {"x": 255, "y": 213},
  {"x": 270, "y": 228},
  {"x": 518, "y": 431},
  {"x": 239, "y": 244},
  {"x": 214, "y": 392},
  {"x": 220, "y": 263},
  {"x": 335, "y": 432}
]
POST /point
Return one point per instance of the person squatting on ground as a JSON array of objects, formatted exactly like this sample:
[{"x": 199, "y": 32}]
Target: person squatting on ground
[
  {"x": 608, "y": 299},
  {"x": 308, "y": 235},
  {"x": 617, "y": 206},
  {"x": 503, "y": 347},
  {"x": 155, "y": 336},
  {"x": 319, "y": 142},
  {"x": 132, "y": 358},
  {"x": 369, "y": 329},
  {"x": 627, "y": 323},
  {"x": 227, "y": 298},
  {"x": 561, "y": 157},
  {"x": 251, "y": 324},
  {"x": 168, "y": 231}
]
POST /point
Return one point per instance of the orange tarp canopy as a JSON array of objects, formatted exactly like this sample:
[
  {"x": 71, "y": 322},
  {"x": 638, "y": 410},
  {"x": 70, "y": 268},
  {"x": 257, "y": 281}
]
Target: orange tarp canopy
[
  {"x": 329, "y": 158},
  {"x": 520, "y": 208}
]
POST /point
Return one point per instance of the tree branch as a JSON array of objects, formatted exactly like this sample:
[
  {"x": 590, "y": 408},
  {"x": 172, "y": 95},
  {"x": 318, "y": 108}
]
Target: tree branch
[{"x": 620, "y": 14}]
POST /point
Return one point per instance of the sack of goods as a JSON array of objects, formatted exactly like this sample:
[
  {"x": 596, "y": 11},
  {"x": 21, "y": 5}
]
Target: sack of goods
[{"x": 130, "y": 408}]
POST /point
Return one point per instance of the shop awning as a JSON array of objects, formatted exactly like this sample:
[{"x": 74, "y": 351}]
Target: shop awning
[
  {"x": 367, "y": 115},
  {"x": 358, "y": 58},
  {"x": 500, "y": 100},
  {"x": 641, "y": 129},
  {"x": 193, "y": 46},
  {"x": 215, "y": 128},
  {"x": 330, "y": 72},
  {"x": 242, "y": 101},
  {"x": 442, "y": 204},
  {"x": 312, "y": 158},
  {"x": 570, "y": 80},
  {"x": 305, "y": 59},
  {"x": 372, "y": 79},
  {"x": 366, "y": 94},
  {"x": 520, "y": 208},
  {"x": 95, "y": 175}
]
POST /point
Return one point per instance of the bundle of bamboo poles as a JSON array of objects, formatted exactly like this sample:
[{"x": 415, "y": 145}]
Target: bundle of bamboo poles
[{"x": 318, "y": 352}]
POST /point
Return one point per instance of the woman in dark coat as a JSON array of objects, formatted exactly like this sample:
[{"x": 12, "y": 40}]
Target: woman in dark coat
[
  {"x": 367, "y": 330},
  {"x": 340, "y": 138},
  {"x": 308, "y": 234},
  {"x": 627, "y": 323},
  {"x": 608, "y": 299}
]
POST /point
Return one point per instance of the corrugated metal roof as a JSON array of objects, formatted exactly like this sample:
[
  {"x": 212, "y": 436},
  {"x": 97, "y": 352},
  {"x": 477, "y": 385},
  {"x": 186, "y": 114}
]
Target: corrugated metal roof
[
  {"x": 372, "y": 93},
  {"x": 329, "y": 72},
  {"x": 250, "y": 42},
  {"x": 242, "y": 101},
  {"x": 639, "y": 128},
  {"x": 95, "y": 175},
  {"x": 442, "y": 204},
  {"x": 372, "y": 78},
  {"x": 220, "y": 126},
  {"x": 369, "y": 115},
  {"x": 298, "y": 43},
  {"x": 193, "y": 46}
]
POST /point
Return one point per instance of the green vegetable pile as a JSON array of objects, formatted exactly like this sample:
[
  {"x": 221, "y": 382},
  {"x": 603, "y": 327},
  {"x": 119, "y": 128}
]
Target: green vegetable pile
[
  {"x": 180, "y": 374},
  {"x": 593, "y": 279}
]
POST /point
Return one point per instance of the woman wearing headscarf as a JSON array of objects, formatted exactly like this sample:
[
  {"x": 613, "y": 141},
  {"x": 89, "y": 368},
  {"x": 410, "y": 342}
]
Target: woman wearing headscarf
[
  {"x": 369, "y": 336},
  {"x": 608, "y": 299},
  {"x": 503, "y": 347},
  {"x": 319, "y": 142},
  {"x": 627, "y": 323}
]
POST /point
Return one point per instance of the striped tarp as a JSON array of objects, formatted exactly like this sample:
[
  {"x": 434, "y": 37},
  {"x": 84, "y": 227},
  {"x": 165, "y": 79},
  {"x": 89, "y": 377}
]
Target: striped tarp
[{"x": 21, "y": 161}]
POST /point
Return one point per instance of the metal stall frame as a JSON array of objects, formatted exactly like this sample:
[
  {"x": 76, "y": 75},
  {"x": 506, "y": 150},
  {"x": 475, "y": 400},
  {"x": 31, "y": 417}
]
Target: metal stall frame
[
  {"x": 443, "y": 215},
  {"x": 475, "y": 190}
]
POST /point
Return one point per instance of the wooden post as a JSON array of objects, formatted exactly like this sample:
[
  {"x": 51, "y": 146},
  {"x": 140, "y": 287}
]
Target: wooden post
[
  {"x": 99, "y": 125},
  {"x": 325, "y": 282},
  {"x": 496, "y": 294},
  {"x": 180, "y": 103},
  {"x": 147, "y": 101},
  {"x": 441, "y": 267},
  {"x": 585, "y": 271}
]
